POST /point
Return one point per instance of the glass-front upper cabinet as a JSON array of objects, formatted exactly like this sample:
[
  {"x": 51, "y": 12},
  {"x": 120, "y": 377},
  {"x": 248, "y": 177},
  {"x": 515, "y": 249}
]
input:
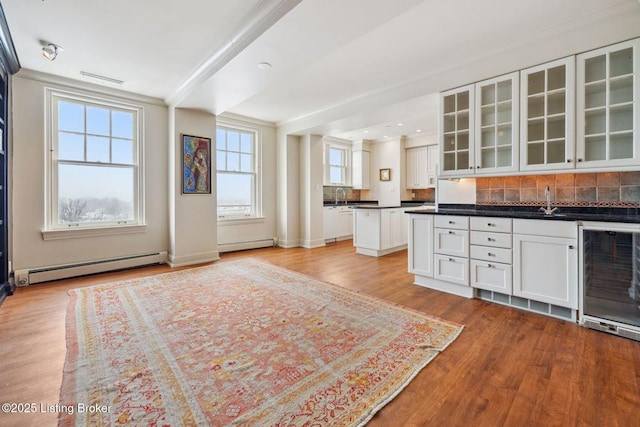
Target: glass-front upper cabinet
[
  {"x": 457, "y": 128},
  {"x": 497, "y": 125},
  {"x": 608, "y": 117},
  {"x": 547, "y": 103}
]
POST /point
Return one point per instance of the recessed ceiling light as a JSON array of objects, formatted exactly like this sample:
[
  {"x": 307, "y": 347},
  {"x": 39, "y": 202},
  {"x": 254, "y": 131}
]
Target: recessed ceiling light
[
  {"x": 264, "y": 66},
  {"x": 385, "y": 136},
  {"x": 400, "y": 124},
  {"x": 418, "y": 130},
  {"x": 366, "y": 131}
]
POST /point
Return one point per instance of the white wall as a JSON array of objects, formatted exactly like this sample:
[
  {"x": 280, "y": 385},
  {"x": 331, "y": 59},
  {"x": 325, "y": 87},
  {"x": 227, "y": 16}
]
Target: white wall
[
  {"x": 194, "y": 216},
  {"x": 235, "y": 234},
  {"x": 29, "y": 177},
  {"x": 387, "y": 154},
  {"x": 421, "y": 140}
]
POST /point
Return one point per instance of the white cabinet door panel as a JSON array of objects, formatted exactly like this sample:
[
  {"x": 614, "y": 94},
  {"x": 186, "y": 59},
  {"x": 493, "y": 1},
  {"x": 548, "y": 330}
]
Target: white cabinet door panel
[
  {"x": 451, "y": 242},
  {"x": 421, "y": 244},
  {"x": 546, "y": 269},
  {"x": 491, "y": 276},
  {"x": 452, "y": 269}
]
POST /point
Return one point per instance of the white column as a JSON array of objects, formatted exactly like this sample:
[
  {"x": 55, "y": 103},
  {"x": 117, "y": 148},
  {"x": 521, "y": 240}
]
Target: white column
[
  {"x": 311, "y": 177},
  {"x": 288, "y": 194},
  {"x": 193, "y": 217}
]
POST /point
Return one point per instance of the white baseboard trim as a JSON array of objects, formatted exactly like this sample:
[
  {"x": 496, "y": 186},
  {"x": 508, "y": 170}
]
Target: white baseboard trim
[
  {"x": 201, "y": 258},
  {"x": 287, "y": 244},
  {"x": 312, "y": 244},
  {"x": 241, "y": 246}
]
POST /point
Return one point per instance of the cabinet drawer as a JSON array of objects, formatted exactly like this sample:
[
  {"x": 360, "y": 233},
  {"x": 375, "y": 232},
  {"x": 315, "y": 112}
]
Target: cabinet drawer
[
  {"x": 542, "y": 227},
  {"x": 491, "y": 276},
  {"x": 500, "y": 225},
  {"x": 485, "y": 238},
  {"x": 451, "y": 242},
  {"x": 452, "y": 221},
  {"x": 490, "y": 254},
  {"x": 452, "y": 269}
]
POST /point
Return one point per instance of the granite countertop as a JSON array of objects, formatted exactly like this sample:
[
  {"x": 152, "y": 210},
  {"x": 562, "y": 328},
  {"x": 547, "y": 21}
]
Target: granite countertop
[
  {"x": 404, "y": 204},
  {"x": 626, "y": 215},
  {"x": 373, "y": 204}
]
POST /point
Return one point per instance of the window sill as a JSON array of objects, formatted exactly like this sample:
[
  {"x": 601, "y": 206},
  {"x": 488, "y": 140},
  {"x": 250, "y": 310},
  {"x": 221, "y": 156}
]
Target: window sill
[
  {"x": 92, "y": 232},
  {"x": 238, "y": 220}
]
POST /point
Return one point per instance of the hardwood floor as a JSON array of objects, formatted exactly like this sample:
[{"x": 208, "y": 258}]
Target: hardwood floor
[{"x": 508, "y": 367}]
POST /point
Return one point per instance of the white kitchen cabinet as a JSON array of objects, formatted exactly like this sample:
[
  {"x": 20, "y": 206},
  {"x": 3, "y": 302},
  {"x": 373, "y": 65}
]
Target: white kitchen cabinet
[
  {"x": 545, "y": 264},
  {"x": 547, "y": 109},
  {"x": 491, "y": 255},
  {"x": 329, "y": 222},
  {"x": 452, "y": 269},
  {"x": 608, "y": 96},
  {"x": 361, "y": 169},
  {"x": 432, "y": 165},
  {"x": 497, "y": 126},
  {"x": 393, "y": 225},
  {"x": 337, "y": 222},
  {"x": 346, "y": 221},
  {"x": 417, "y": 167},
  {"x": 381, "y": 231},
  {"x": 457, "y": 132},
  {"x": 420, "y": 229},
  {"x": 451, "y": 242},
  {"x": 451, "y": 249}
]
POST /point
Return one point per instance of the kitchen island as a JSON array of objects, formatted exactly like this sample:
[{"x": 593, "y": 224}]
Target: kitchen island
[{"x": 381, "y": 230}]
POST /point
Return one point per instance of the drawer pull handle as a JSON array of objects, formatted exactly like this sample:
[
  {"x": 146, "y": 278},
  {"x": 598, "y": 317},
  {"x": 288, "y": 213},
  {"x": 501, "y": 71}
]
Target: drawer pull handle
[
  {"x": 451, "y": 222},
  {"x": 490, "y": 265},
  {"x": 490, "y": 254},
  {"x": 450, "y": 259},
  {"x": 451, "y": 232},
  {"x": 490, "y": 224},
  {"x": 570, "y": 246},
  {"x": 489, "y": 239}
]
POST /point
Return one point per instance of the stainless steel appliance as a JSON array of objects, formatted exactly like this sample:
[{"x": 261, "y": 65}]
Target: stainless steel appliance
[{"x": 610, "y": 278}]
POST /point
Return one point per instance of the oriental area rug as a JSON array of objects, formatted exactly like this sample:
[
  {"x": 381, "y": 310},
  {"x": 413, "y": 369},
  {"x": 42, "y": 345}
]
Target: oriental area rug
[{"x": 238, "y": 343}]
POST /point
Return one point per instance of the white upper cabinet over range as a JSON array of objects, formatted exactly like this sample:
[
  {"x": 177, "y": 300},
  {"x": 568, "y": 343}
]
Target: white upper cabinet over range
[
  {"x": 547, "y": 123},
  {"x": 608, "y": 119}
]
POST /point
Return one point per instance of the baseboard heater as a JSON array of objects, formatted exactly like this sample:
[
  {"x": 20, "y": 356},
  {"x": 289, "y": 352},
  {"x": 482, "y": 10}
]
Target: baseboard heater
[
  {"x": 46, "y": 274},
  {"x": 247, "y": 244}
]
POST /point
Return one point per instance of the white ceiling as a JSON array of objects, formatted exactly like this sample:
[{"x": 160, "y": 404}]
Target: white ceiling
[{"x": 339, "y": 67}]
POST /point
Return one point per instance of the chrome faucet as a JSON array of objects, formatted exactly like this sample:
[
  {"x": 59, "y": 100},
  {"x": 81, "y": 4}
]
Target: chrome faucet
[
  {"x": 548, "y": 210},
  {"x": 344, "y": 195}
]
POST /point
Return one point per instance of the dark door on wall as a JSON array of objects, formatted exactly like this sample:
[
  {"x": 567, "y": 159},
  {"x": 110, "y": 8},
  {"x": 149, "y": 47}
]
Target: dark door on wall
[
  {"x": 4, "y": 202},
  {"x": 9, "y": 65}
]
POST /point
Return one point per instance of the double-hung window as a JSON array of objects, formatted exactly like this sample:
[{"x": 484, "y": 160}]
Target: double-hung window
[
  {"x": 95, "y": 163},
  {"x": 237, "y": 178},
  {"x": 336, "y": 164}
]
